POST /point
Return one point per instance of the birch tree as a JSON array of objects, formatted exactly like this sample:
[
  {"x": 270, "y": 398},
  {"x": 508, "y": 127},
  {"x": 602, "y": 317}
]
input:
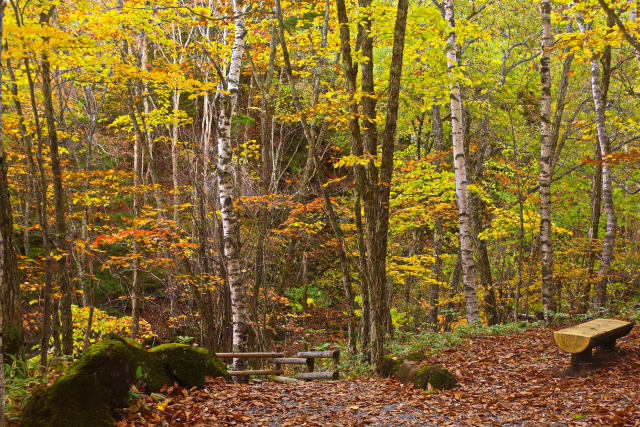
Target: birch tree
[
  {"x": 227, "y": 99},
  {"x": 546, "y": 165},
  {"x": 460, "y": 169},
  {"x": 608, "y": 244}
]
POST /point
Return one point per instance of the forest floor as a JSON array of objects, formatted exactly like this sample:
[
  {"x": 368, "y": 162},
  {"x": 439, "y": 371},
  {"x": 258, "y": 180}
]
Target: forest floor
[{"x": 504, "y": 380}]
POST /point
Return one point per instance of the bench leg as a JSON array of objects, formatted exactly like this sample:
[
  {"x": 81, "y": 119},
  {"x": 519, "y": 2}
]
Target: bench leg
[
  {"x": 581, "y": 358},
  {"x": 609, "y": 347}
]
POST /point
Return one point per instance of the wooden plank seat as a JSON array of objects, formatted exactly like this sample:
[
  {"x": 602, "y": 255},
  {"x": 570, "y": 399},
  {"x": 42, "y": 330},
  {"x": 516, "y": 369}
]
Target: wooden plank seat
[{"x": 580, "y": 340}]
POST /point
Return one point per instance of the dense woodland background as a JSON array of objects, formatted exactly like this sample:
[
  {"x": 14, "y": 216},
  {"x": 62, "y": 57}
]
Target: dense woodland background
[{"x": 248, "y": 174}]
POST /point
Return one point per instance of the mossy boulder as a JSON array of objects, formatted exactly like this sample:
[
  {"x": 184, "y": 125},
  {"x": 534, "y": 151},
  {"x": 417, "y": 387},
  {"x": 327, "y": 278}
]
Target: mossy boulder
[
  {"x": 437, "y": 376},
  {"x": 99, "y": 381},
  {"x": 388, "y": 366},
  {"x": 188, "y": 365},
  {"x": 422, "y": 376}
]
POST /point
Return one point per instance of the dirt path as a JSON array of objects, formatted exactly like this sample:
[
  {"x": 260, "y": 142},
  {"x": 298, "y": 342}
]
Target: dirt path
[{"x": 506, "y": 380}]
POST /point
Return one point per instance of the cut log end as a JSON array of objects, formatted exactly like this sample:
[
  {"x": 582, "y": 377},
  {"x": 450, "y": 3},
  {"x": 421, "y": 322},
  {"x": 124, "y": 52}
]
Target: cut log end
[{"x": 579, "y": 338}]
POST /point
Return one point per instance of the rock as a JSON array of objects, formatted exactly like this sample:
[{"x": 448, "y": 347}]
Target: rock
[
  {"x": 422, "y": 376},
  {"x": 438, "y": 376},
  {"x": 388, "y": 366},
  {"x": 100, "y": 380},
  {"x": 407, "y": 371},
  {"x": 189, "y": 365}
]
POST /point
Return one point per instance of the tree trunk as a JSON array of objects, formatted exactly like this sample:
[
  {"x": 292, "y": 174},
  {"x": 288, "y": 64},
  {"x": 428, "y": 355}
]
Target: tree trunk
[
  {"x": 434, "y": 291},
  {"x": 372, "y": 183},
  {"x": 4, "y": 242},
  {"x": 608, "y": 245},
  {"x": 378, "y": 250},
  {"x": 41, "y": 197},
  {"x": 594, "y": 225},
  {"x": 91, "y": 301},
  {"x": 305, "y": 280},
  {"x": 2, "y": 398},
  {"x": 516, "y": 305},
  {"x": 59, "y": 199},
  {"x": 460, "y": 169},
  {"x": 484, "y": 265},
  {"x": 136, "y": 295},
  {"x": 11, "y": 312},
  {"x": 596, "y": 183},
  {"x": 546, "y": 165},
  {"x": 365, "y": 318},
  {"x": 230, "y": 224}
]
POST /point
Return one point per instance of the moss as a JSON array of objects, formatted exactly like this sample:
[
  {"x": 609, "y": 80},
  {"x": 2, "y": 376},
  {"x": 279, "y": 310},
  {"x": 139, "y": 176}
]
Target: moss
[
  {"x": 94, "y": 385},
  {"x": 438, "y": 376},
  {"x": 388, "y": 366},
  {"x": 99, "y": 381},
  {"x": 189, "y": 365}
]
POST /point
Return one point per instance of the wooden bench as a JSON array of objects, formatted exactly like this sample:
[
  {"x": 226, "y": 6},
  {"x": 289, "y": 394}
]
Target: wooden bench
[
  {"x": 278, "y": 359},
  {"x": 580, "y": 340}
]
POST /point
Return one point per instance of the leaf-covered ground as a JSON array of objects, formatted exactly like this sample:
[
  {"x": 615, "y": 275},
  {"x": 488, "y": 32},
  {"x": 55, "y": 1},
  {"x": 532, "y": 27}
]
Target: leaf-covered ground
[{"x": 504, "y": 380}]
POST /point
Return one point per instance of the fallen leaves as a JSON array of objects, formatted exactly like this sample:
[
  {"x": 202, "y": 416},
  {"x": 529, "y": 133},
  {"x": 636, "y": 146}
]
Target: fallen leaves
[{"x": 504, "y": 380}]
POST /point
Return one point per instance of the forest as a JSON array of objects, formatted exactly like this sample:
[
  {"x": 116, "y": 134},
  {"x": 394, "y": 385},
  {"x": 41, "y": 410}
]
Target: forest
[{"x": 382, "y": 177}]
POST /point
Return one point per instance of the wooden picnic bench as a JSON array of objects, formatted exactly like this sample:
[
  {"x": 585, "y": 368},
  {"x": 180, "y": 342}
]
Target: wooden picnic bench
[{"x": 580, "y": 340}]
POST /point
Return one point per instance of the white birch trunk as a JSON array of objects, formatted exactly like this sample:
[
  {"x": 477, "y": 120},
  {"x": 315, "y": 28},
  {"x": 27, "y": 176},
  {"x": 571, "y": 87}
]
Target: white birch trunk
[
  {"x": 546, "y": 164},
  {"x": 230, "y": 225},
  {"x": 136, "y": 296},
  {"x": 608, "y": 244},
  {"x": 175, "y": 126},
  {"x": 460, "y": 168}
]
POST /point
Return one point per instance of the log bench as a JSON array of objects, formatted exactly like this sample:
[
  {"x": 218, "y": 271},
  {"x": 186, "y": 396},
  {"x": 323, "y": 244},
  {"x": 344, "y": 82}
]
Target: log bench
[
  {"x": 278, "y": 359},
  {"x": 580, "y": 340}
]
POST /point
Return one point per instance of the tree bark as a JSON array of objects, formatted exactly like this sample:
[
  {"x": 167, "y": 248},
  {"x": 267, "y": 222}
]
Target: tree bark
[
  {"x": 230, "y": 224},
  {"x": 59, "y": 199},
  {"x": 596, "y": 183},
  {"x": 460, "y": 169},
  {"x": 484, "y": 265},
  {"x": 136, "y": 285},
  {"x": 365, "y": 318},
  {"x": 41, "y": 198},
  {"x": 434, "y": 291},
  {"x": 546, "y": 165},
  {"x": 594, "y": 224},
  {"x": 372, "y": 183},
  {"x": 4, "y": 242},
  {"x": 609, "y": 241},
  {"x": 380, "y": 308},
  {"x": 11, "y": 312}
]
